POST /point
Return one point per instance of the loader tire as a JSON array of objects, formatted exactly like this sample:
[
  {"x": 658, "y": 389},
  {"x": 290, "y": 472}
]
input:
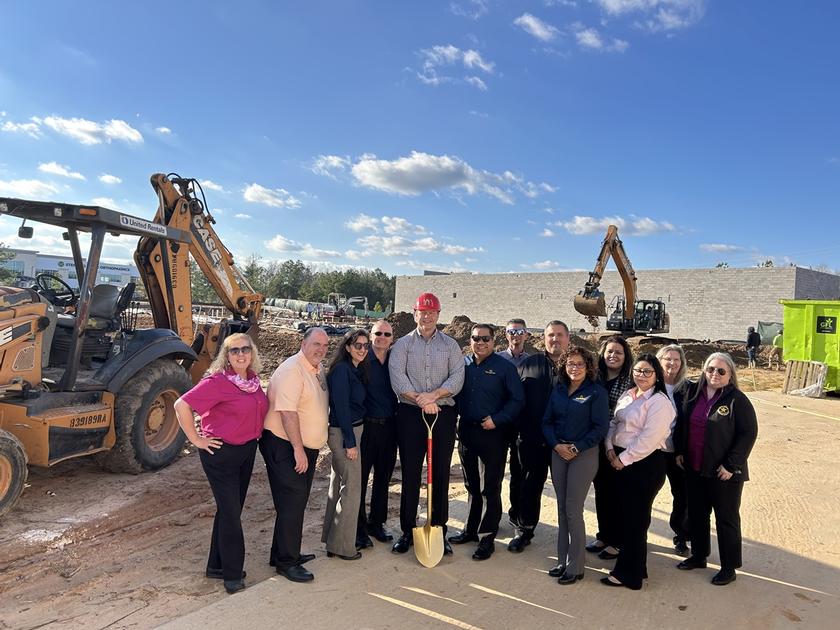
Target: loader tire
[
  {"x": 13, "y": 471},
  {"x": 148, "y": 434}
]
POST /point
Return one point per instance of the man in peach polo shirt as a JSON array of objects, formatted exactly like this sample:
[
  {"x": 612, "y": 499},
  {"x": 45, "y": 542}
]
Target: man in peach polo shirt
[{"x": 295, "y": 429}]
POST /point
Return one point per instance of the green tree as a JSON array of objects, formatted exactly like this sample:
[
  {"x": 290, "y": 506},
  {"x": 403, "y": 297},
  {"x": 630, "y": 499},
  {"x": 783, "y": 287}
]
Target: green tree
[
  {"x": 289, "y": 279},
  {"x": 7, "y": 276},
  {"x": 766, "y": 263},
  {"x": 255, "y": 274},
  {"x": 202, "y": 290},
  {"x": 722, "y": 265}
]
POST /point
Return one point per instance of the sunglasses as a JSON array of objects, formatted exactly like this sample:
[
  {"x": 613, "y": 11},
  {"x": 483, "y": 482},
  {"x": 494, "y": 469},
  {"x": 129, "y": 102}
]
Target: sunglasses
[
  {"x": 645, "y": 372},
  {"x": 516, "y": 332},
  {"x": 575, "y": 366},
  {"x": 484, "y": 338},
  {"x": 360, "y": 346},
  {"x": 379, "y": 333},
  {"x": 711, "y": 370},
  {"x": 243, "y": 350}
]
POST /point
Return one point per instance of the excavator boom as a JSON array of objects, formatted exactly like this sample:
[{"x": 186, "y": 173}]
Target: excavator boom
[{"x": 590, "y": 301}]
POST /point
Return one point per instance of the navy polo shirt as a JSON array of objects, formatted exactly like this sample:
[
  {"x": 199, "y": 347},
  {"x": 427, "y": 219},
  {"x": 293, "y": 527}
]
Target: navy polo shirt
[
  {"x": 380, "y": 402},
  {"x": 491, "y": 388}
]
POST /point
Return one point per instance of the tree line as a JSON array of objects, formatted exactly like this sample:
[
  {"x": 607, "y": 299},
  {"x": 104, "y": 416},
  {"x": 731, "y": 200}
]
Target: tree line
[{"x": 296, "y": 280}]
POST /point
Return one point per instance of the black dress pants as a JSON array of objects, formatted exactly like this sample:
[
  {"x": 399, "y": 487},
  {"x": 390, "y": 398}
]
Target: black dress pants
[
  {"x": 228, "y": 470},
  {"x": 411, "y": 440},
  {"x": 535, "y": 458},
  {"x": 482, "y": 456},
  {"x": 607, "y": 501},
  {"x": 515, "y": 469},
  {"x": 379, "y": 453},
  {"x": 637, "y": 484},
  {"x": 290, "y": 492},
  {"x": 679, "y": 507},
  {"x": 724, "y": 497}
]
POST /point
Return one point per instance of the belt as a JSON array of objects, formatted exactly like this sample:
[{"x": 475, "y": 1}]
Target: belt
[{"x": 373, "y": 420}]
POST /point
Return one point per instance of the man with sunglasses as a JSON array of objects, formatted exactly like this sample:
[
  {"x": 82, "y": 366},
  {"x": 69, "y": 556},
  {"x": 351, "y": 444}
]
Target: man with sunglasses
[
  {"x": 427, "y": 371},
  {"x": 488, "y": 403},
  {"x": 516, "y": 333},
  {"x": 379, "y": 440}
]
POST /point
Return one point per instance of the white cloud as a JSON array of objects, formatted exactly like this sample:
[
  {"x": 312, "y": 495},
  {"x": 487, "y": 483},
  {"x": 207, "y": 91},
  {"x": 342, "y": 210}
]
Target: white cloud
[
  {"x": 473, "y": 9},
  {"x": 590, "y": 39},
  {"x": 361, "y": 223},
  {"x": 329, "y": 165},
  {"x": 276, "y": 198},
  {"x": 54, "y": 168},
  {"x": 658, "y": 15},
  {"x": 719, "y": 248},
  {"x": 535, "y": 27},
  {"x": 105, "y": 178},
  {"x": 398, "y": 225},
  {"x": 209, "y": 184},
  {"x": 283, "y": 245},
  {"x": 403, "y": 246},
  {"x": 164, "y": 131},
  {"x": 31, "y": 129},
  {"x": 241, "y": 215},
  {"x": 90, "y": 132},
  {"x": 442, "y": 56},
  {"x": 27, "y": 189},
  {"x": 640, "y": 226},
  {"x": 542, "y": 265},
  {"x": 105, "y": 202},
  {"x": 547, "y": 233},
  {"x": 422, "y": 172}
]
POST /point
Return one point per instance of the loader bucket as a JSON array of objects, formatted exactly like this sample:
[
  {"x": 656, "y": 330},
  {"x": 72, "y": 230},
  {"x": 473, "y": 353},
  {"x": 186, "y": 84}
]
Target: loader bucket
[{"x": 593, "y": 305}]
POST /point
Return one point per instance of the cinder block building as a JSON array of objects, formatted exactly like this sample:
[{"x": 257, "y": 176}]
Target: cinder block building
[{"x": 703, "y": 303}]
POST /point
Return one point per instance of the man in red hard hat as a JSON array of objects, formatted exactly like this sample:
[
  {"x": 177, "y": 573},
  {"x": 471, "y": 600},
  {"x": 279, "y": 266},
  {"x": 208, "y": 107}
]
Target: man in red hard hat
[{"x": 427, "y": 370}]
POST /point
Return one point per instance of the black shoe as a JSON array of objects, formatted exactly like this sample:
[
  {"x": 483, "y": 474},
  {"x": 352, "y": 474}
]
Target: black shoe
[
  {"x": 295, "y": 573},
  {"x": 403, "y": 543},
  {"x": 691, "y": 563},
  {"x": 569, "y": 578},
  {"x": 234, "y": 586},
  {"x": 363, "y": 542},
  {"x": 378, "y": 532},
  {"x": 613, "y": 581},
  {"x": 606, "y": 554},
  {"x": 519, "y": 542},
  {"x": 723, "y": 577},
  {"x": 682, "y": 549},
  {"x": 485, "y": 549},
  {"x": 355, "y": 556},
  {"x": 595, "y": 546},
  {"x": 463, "y": 537},
  {"x": 447, "y": 548},
  {"x": 557, "y": 571},
  {"x": 216, "y": 574},
  {"x": 303, "y": 559}
]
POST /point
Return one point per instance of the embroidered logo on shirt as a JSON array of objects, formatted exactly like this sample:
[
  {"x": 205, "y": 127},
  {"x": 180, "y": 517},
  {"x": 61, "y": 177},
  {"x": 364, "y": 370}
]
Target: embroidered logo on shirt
[
  {"x": 581, "y": 398},
  {"x": 723, "y": 410},
  {"x": 489, "y": 372}
]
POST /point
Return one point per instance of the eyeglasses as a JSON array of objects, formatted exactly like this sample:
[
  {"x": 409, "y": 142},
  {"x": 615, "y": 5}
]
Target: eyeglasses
[
  {"x": 516, "y": 332},
  {"x": 711, "y": 370},
  {"x": 379, "y": 333},
  {"x": 575, "y": 366},
  {"x": 360, "y": 346},
  {"x": 484, "y": 338},
  {"x": 243, "y": 350},
  {"x": 645, "y": 372}
]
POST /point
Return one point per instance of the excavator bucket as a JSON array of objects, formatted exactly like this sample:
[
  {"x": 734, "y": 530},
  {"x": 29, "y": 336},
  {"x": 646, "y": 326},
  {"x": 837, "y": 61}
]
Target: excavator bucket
[{"x": 592, "y": 305}]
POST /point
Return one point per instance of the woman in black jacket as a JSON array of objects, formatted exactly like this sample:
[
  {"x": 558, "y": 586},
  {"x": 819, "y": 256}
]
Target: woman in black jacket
[{"x": 715, "y": 432}]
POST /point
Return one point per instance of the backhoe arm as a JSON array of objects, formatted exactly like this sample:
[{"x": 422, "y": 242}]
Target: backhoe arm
[{"x": 590, "y": 301}]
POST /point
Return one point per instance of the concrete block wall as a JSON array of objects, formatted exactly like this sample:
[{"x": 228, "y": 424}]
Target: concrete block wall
[{"x": 703, "y": 303}]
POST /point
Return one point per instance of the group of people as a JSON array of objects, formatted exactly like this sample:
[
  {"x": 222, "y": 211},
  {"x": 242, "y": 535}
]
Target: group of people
[{"x": 623, "y": 423}]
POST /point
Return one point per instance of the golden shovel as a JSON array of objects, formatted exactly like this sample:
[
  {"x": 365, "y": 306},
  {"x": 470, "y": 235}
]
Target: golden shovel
[{"x": 428, "y": 540}]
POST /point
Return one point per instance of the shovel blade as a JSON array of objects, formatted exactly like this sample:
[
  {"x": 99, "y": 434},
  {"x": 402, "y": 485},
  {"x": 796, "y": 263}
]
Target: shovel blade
[{"x": 428, "y": 544}]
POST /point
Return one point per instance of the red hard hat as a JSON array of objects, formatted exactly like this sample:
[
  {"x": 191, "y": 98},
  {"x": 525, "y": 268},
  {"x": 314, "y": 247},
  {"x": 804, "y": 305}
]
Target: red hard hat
[{"x": 427, "y": 302}]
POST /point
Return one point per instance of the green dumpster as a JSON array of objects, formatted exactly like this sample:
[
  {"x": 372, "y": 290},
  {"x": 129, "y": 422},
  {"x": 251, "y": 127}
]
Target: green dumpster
[{"x": 812, "y": 334}]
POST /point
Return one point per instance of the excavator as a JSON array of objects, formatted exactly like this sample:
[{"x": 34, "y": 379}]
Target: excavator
[
  {"x": 77, "y": 377},
  {"x": 628, "y": 315}
]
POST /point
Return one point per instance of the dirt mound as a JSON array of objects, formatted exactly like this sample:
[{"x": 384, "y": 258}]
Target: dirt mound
[
  {"x": 402, "y": 323},
  {"x": 461, "y": 326}
]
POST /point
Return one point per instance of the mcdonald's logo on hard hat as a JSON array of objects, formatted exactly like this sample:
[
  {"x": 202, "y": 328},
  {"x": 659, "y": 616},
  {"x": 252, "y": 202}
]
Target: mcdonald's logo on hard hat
[{"x": 427, "y": 302}]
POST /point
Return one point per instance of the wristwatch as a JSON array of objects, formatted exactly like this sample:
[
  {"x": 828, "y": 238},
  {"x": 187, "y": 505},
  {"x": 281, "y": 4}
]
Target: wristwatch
[{"x": 574, "y": 449}]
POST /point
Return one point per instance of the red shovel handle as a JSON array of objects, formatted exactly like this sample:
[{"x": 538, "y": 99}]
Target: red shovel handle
[{"x": 429, "y": 428}]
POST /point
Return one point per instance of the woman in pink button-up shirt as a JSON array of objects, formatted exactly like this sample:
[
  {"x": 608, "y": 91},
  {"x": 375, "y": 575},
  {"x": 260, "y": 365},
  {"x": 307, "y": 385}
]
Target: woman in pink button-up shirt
[{"x": 634, "y": 443}]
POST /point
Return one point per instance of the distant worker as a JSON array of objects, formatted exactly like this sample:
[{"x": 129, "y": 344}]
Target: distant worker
[
  {"x": 540, "y": 373},
  {"x": 753, "y": 346},
  {"x": 379, "y": 441},
  {"x": 776, "y": 352},
  {"x": 516, "y": 333},
  {"x": 489, "y": 402},
  {"x": 427, "y": 371},
  {"x": 296, "y": 427}
]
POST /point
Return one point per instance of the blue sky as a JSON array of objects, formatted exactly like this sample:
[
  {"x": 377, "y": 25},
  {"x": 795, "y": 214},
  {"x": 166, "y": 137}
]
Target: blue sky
[{"x": 472, "y": 135}]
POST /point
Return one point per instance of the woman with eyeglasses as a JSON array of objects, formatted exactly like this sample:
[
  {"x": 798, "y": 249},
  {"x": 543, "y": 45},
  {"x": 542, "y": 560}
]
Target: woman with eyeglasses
[
  {"x": 232, "y": 406},
  {"x": 634, "y": 443},
  {"x": 672, "y": 358},
  {"x": 716, "y": 430},
  {"x": 614, "y": 360},
  {"x": 575, "y": 422},
  {"x": 345, "y": 379}
]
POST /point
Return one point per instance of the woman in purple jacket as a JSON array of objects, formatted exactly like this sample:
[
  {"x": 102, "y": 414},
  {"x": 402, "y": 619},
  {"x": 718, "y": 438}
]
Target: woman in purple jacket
[{"x": 232, "y": 407}]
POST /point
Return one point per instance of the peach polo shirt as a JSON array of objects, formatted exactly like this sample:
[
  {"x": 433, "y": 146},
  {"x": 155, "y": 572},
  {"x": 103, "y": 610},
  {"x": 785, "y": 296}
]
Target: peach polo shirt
[{"x": 296, "y": 385}]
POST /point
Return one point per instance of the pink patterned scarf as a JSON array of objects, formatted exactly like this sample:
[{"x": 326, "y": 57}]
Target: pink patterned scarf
[{"x": 249, "y": 385}]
